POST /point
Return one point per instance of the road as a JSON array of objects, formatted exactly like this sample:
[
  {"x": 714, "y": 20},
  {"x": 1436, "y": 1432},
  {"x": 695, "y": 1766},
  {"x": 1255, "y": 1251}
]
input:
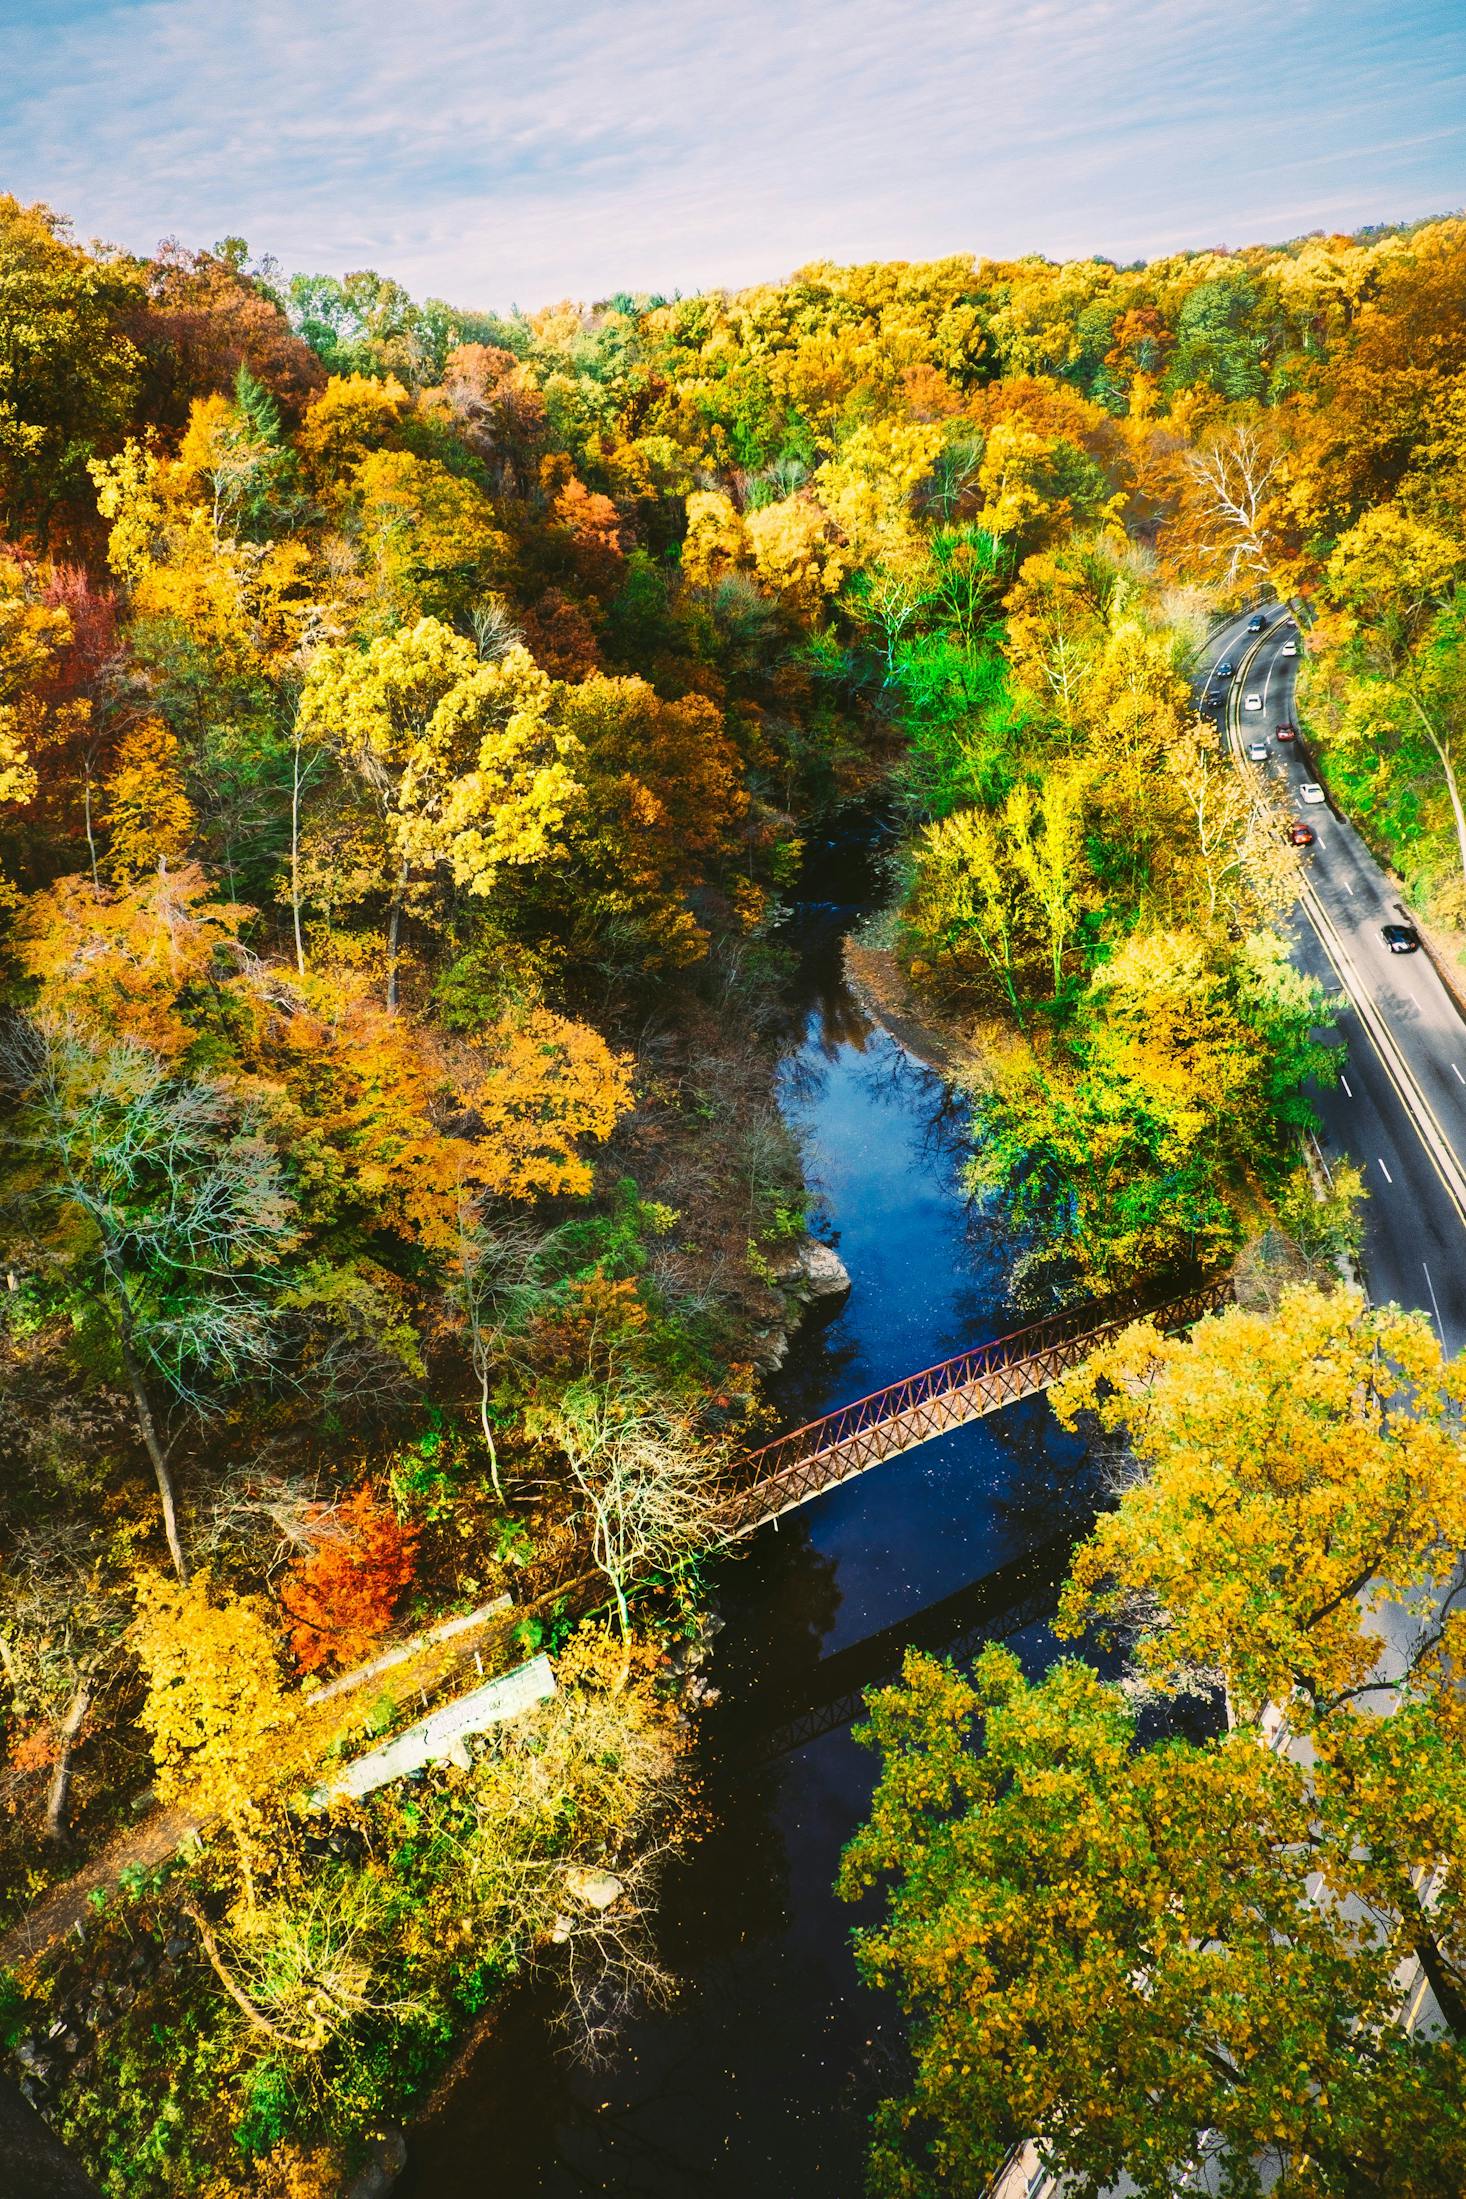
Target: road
[{"x": 1399, "y": 1109}]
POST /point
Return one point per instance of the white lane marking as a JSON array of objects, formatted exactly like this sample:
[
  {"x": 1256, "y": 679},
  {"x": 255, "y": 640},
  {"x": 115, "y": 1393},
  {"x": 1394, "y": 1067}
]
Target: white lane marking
[
  {"x": 1320, "y": 843},
  {"x": 1346, "y": 885},
  {"x": 1457, "y": 1074},
  {"x": 1430, "y": 1286},
  {"x": 1345, "y": 1082},
  {"x": 1388, "y": 1177}
]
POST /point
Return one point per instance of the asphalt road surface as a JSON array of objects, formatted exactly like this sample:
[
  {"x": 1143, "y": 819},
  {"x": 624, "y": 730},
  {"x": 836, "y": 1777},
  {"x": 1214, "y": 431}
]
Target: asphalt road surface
[{"x": 1399, "y": 1108}]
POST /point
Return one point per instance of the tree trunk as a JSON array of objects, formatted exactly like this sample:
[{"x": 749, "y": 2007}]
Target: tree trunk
[
  {"x": 394, "y": 933},
  {"x": 483, "y": 1414},
  {"x": 91, "y": 839},
  {"x": 142, "y": 1404},
  {"x": 71, "y": 1725},
  {"x": 295, "y": 856},
  {"x": 1442, "y": 1982}
]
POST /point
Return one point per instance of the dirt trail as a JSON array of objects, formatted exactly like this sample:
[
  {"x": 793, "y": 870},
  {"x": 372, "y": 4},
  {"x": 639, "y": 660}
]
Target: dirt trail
[{"x": 69, "y": 1904}]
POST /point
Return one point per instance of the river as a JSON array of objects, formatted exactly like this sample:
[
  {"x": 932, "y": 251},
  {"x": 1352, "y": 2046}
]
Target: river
[{"x": 758, "y": 2080}]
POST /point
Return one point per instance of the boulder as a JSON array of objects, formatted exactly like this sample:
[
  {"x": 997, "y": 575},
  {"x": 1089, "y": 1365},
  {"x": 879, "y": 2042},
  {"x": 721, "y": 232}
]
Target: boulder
[
  {"x": 597, "y": 1889},
  {"x": 822, "y": 1271},
  {"x": 809, "y": 1270}
]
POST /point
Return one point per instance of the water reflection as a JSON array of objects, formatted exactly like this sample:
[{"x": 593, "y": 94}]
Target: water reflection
[{"x": 759, "y": 2080}]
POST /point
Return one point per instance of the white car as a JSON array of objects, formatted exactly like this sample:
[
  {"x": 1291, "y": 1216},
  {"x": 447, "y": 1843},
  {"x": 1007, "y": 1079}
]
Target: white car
[
  {"x": 1257, "y": 750},
  {"x": 1290, "y": 649},
  {"x": 1253, "y": 702},
  {"x": 1311, "y": 791}
]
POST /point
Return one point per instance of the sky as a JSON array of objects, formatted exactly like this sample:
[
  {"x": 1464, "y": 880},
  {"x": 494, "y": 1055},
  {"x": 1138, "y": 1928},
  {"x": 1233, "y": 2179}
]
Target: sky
[{"x": 503, "y": 152}]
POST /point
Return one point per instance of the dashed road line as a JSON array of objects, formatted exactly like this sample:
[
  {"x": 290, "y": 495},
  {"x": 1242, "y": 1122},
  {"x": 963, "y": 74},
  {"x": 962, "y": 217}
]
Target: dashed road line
[{"x": 1387, "y": 1176}]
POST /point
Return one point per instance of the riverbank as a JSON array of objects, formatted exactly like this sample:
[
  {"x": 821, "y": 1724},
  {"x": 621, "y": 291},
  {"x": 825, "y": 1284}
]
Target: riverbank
[{"x": 881, "y": 987}]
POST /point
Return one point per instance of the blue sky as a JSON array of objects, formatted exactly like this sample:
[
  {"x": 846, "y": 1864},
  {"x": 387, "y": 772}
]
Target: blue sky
[{"x": 519, "y": 151}]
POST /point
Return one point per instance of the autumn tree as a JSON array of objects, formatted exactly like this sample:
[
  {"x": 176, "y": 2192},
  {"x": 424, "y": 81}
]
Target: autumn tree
[
  {"x": 144, "y": 806},
  {"x": 214, "y": 1709},
  {"x": 1117, "y": 1951},
  {"x": 1127, "y": 1143},
  {"x": 339, "y": 1597},
  {"x": 463, "y": 758},
  {"x": 1282, "y": 1477},
  {"x": 69, "y": 374},
  {"x": 1391, "y": 672}
]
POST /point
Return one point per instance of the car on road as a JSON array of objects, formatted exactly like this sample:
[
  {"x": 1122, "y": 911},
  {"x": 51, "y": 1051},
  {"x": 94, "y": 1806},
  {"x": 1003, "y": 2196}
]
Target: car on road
[
  {"x": 1286, "y": 732},
  {"x": 1301, "y": 835},
  {"x": 1289, "y": 649},
  {"x": 1257, "y": 624},
  {"x": 1311, "y": 791},
  {"x": 1225, "y": 669},
  {"x": 1401, "y": 938},
  {"x": 1252, "y": 702},
  {"x": 1258, "y": 751}
]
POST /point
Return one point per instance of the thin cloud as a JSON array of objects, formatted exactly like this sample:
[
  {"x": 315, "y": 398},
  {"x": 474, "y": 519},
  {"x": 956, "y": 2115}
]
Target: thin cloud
[{"x": 513, "y": 152}]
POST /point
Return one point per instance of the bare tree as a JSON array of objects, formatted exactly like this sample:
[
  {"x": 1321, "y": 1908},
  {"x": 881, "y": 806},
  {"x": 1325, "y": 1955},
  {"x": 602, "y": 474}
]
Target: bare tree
[
  {"x": 648, "y": 1482},
  {"x": 64, "y": 1612},
  {"x": 1233, "y": 479},
  {"x": 156, "y": 1202}
]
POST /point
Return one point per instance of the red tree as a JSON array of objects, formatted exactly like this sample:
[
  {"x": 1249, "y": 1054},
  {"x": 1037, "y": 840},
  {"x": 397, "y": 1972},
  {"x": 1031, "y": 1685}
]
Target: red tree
[{"x": 340, "y": 1596}]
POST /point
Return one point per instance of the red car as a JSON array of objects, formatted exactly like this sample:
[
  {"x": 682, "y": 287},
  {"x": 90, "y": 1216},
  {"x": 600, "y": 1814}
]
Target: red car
[
  {"x": 1301, "y": 835},
  {"x": 1286, "y": 732}
]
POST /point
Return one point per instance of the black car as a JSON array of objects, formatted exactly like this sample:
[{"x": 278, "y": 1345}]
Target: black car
[
  {"x": 1257, "y": 625},
  {"x": 1401, "y": 938}
]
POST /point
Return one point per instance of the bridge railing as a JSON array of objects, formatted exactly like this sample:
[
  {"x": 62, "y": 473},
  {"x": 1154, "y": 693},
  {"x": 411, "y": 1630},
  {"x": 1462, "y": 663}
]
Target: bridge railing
[
  {"x": 808, "y": 1460},
  {"x": 919, "y": 1405}
]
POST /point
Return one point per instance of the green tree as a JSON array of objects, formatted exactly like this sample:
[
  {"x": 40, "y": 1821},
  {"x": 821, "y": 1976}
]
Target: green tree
[
  {"x": 1117, "y": 1951},
  {"x": 68, "y": 375}
]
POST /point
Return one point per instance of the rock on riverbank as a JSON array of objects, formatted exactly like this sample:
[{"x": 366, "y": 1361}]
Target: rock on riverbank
[{"x": 806, "y": 1273}]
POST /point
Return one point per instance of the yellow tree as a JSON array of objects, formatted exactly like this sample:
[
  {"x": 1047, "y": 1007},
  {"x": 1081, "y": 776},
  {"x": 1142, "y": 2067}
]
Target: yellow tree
[
  {"x": 429, "y": 538},
  {"x": 354, "y": 415},
  {"x": 1055, "y": 629},
  {"x": 964, "y": 912},
  {"x": 1046, "y": 840},
  {"x": 31, "y": 631},
  {"x": 1294, "y": 1464},
  {"x": 716, "y": 543},
  {"x": 214, "y": 1710},
  {"x": 145, "y": 806},
  {"x": 465, "y": 763}
]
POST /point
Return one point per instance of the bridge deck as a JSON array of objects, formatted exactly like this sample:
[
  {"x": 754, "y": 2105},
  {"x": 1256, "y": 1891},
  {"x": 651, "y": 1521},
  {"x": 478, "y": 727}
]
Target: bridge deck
[{"x": 802, "y": 1465}]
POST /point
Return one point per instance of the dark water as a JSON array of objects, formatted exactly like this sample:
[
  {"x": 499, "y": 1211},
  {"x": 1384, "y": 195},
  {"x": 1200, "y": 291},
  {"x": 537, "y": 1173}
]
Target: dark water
[{"x": 758, "y": 2081}]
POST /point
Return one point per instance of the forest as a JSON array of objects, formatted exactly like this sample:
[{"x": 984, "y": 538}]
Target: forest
[{"x": 411, "y": 722}]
